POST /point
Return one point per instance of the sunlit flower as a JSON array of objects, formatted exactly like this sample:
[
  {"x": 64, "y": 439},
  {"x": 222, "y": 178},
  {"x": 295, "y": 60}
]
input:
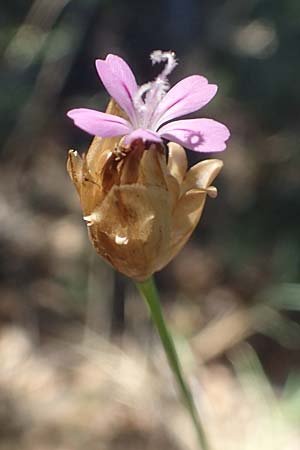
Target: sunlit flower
[
  {"x": 140, "y": 206},
  {"x": 151, "y": 107}
]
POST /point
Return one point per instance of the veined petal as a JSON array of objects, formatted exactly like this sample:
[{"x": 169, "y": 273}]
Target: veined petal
[
  {"x": 187, "y": 96},
  {"x": 201, "y": 135},
  {"x": 98, "y": 123},
  {"x": 141, "y": 133},
  {"x": 119, "y": 82}
]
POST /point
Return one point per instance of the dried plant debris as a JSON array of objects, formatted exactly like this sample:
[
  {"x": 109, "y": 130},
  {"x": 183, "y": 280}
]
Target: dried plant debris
[{"x": 93, "y": 395}]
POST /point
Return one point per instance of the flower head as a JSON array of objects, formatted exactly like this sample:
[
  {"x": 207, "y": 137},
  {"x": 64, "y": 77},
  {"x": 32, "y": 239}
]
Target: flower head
[
  {"x": 150, "y": 108},
  {"x": 139, "y": 207}
]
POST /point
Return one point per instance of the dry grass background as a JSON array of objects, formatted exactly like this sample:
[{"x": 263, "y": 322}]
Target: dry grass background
[{"x": 71, "y": 395}]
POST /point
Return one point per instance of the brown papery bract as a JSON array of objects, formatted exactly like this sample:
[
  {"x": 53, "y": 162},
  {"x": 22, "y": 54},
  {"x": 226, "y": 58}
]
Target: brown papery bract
[{"x": 140, "y": 207}]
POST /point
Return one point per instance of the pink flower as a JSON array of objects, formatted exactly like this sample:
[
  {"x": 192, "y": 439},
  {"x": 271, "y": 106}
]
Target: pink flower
[{"x": 151, "y": 107}]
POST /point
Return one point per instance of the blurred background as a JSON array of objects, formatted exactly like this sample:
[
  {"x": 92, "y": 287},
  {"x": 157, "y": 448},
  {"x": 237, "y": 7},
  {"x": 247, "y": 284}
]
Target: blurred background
[{"x": 80, "y": 366}]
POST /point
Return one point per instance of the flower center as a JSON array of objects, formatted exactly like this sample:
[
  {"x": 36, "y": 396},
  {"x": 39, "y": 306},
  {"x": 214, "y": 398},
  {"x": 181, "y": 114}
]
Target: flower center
[{"x": 150, "y": 94}]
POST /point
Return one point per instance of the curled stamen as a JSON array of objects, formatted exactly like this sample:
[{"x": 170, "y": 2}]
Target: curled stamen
[
  {"x": 162, "y": 86},
  {"x": 159, "y": 56},
  {"x": 150, "y": 94}
]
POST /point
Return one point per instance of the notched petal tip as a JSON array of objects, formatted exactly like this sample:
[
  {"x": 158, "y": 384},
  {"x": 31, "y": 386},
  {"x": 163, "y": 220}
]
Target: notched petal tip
[
  {"x": 119, "y": 81},
  {"x": 188, "y": 95}
]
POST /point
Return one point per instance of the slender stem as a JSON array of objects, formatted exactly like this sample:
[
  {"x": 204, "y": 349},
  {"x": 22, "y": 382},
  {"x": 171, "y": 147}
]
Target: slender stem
[{"x": 151, "y": 297}]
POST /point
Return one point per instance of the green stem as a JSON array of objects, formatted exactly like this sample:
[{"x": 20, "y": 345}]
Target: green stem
[{"x": 151, "y": 297}]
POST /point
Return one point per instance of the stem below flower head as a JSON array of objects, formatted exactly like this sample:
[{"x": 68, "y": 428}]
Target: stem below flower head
[{"x": 151, "y": 297}]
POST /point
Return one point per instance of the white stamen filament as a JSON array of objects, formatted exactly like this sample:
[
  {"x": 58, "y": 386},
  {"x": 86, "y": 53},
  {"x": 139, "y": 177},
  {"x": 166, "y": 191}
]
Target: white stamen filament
[
  {"x": 150, "y": 94},
  {"x": 138, "y": 99}
]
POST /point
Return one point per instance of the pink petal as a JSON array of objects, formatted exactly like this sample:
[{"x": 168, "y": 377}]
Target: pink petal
[
  {"x": 201, "y": 135},
  {"x": 146, "y": 135},
  {"x": 187, "y": 96},
  {"x": 98, "y": 123},
  {"x": 119, "y": 82}
]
